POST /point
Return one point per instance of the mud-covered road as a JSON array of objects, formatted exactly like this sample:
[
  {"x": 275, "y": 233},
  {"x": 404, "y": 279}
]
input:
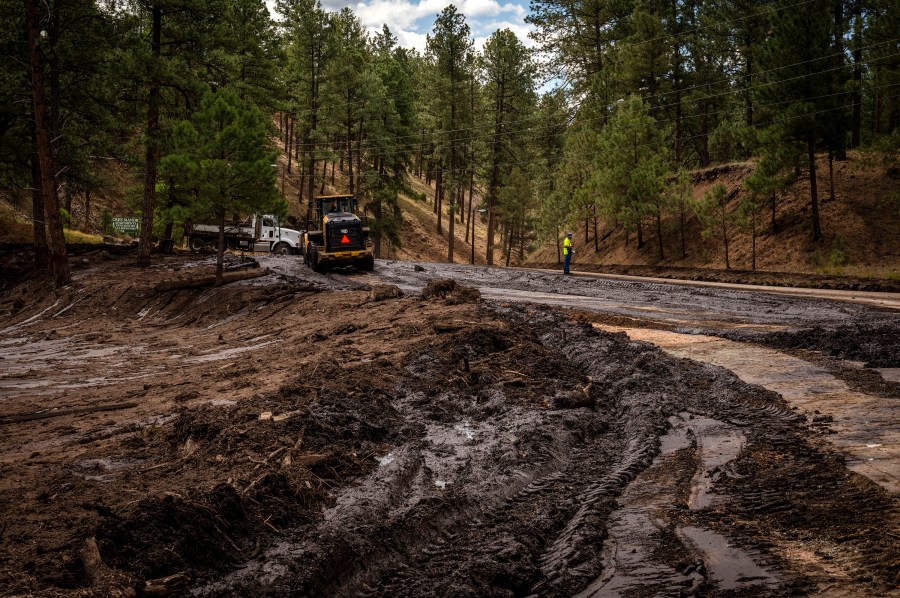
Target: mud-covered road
[{"x": 399, "y": 434}]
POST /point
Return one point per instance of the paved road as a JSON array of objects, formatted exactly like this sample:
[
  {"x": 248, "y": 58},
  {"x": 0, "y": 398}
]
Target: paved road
[{"x": 707, "y": 305}]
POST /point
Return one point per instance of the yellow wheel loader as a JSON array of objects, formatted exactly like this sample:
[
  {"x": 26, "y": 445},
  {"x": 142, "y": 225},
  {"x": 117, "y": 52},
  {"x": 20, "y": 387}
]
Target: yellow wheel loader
[{"x": 335, "y": 235}]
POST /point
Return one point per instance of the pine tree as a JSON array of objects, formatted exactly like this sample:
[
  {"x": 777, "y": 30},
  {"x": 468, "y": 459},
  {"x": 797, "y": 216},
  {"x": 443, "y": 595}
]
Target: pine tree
[
  {"x": 804, "y": 78},
  {"x": 448, "y": 44},
  {"x": 712, "y": 211},
  {"x": 221, "y": 158},
  {"x": 630, "y": 167},
  {"x": 508, "y": 80}
]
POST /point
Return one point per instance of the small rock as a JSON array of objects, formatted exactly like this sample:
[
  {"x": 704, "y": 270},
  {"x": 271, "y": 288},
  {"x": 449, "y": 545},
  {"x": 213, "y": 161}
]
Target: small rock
[{"x": 418, "y": 268}]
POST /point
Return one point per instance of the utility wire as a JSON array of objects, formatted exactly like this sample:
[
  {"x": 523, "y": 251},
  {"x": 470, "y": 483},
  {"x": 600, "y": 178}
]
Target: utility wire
[{"x": 417, "y": 137}]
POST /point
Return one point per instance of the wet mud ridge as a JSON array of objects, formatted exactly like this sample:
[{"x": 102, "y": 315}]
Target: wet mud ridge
[
  {"x": 284, "y": 437},
  {"x": 578, "y": 462}
]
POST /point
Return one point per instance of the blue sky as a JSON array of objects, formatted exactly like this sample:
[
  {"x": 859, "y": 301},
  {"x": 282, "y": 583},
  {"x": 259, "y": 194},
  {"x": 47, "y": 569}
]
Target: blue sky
[{"x": 412, "y": 20}]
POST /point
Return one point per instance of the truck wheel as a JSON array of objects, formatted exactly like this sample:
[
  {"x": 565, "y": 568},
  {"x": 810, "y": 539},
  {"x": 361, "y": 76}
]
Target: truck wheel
[
  {"x": 312, "y": 258},
  {"x": 282, "y": 249},
  {"x": 196, "y": 244}
]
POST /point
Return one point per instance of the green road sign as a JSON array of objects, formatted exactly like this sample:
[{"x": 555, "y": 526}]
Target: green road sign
[{"x": 127, "y": 226}]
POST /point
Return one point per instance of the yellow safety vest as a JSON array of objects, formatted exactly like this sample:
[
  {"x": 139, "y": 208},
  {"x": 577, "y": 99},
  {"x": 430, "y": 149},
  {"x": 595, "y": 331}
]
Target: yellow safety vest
[{"x": 567, "y": 245}]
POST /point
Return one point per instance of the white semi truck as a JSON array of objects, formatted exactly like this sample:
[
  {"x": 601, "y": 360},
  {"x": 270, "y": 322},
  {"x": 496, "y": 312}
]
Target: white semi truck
[{"x": 254, "y": 233}]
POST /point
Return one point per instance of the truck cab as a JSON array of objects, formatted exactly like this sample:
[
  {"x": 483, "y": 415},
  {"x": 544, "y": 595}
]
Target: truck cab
[{"x": 271, "y": 236}]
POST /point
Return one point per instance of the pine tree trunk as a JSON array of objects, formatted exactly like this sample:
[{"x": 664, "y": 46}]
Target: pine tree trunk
[
  {"x": 420, "y": 156},
  {"x": 703, "y": 150},
  {"x": 289, "y": 142},
  {"x": 774, "y": 223},
  {"x": 683, "y": 246},
  {"x": 220, "y": 254},
  {"x": 467, "y": 212},
  {"x": 509, "y": 242},
  {"x": 596, "y": 236},
  {"x": 41, "y": 249},
  {"x": 659, "y": 231},
  {"x": 376, "y": 209},
  {"x": 472, "y": 239},
  {"x": 324, "y": 177},
  {"x": 856, "y": 122},
  {"x": 451, "y": 224},
  {"x": 332, "y": 173},
  {"x": 725, "y": 236},
  {"x": 59, "y": 261},
  {"x": 831, "y": 175},
  {"x": 558, "y": 249},
  {"x": 640, "y": 234},
  {"x": 439, "y": 196},
  {"x": 87, "y": 211},
  {"x": 350, "y": 159},
  {"x": 753, "y": 234},
  {"x": 153, "y": 151},
  {"x": 359, "y": 161},
  {"x": 813, "y": 191},
  {"x": 521, "y": 243}
]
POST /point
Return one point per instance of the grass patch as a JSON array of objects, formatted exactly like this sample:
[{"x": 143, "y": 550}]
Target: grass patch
[{"x": 78, "y": 237}]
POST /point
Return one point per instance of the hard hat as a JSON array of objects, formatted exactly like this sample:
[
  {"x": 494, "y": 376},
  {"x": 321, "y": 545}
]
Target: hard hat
[{"x": 568, "y": 234}]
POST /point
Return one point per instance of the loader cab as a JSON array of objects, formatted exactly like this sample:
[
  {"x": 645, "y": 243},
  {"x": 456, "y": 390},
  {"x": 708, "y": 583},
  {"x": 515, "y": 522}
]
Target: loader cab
[{"x": 330, "y": 205}]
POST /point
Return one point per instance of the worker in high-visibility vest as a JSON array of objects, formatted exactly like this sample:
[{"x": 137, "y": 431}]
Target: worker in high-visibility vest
[{"x": 567, "y": 253}]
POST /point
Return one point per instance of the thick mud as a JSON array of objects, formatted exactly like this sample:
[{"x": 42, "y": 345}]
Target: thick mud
[
  {"x": 503, "y": 492},
  {"x": 310, "y": 434}
]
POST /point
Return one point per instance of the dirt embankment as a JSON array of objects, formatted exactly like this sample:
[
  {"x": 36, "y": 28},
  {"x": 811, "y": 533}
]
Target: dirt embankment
[
  {"x": 859, "y": 227},
  {"x": 281, "y": 436}
]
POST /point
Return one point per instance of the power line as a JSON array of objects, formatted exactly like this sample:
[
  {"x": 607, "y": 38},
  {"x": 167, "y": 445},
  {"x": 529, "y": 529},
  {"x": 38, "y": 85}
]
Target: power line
[
  {"x": 408, "y": 148},
  {"x": 665, "y": 37},
  {"x": 689, "y": 138},
  {"x": 417, "y": 138}
]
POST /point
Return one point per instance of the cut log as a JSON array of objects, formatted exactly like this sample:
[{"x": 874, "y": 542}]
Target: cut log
[{"x": 208, "y": 281}]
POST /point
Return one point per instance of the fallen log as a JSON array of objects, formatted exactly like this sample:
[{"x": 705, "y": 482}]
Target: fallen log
[
  {"x": 208, "y": 281},
  {"x": 249, "y": 264},
  {"x": 27, "y": 417}
]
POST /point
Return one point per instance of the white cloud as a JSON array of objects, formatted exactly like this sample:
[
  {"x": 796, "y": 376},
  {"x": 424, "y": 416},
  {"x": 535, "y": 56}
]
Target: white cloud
[
  {"x": 410, "y": 39},
  {"x": 411, "y": 21},
  {"x": 521, "y": 29}
]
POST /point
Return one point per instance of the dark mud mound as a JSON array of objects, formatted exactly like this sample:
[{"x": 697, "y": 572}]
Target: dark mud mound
[
  {"x": 451, "y": 292},
  {"x": 160, "y": 537},
  {"x": 876, "y": 344}
]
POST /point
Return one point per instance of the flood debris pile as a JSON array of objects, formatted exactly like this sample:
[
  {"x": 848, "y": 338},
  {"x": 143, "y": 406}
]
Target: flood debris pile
[{"x": 451, "y": 292}]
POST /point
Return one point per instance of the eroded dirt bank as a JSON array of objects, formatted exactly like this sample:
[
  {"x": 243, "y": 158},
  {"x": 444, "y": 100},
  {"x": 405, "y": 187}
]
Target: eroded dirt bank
[{"x": 312, "y": 435}]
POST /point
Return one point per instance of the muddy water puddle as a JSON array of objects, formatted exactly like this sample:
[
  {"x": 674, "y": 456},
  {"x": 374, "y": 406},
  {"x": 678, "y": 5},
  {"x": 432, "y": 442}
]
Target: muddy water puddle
[
  {"x": 865, "y": 427},
  {"x": 631, "y": 556}
]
